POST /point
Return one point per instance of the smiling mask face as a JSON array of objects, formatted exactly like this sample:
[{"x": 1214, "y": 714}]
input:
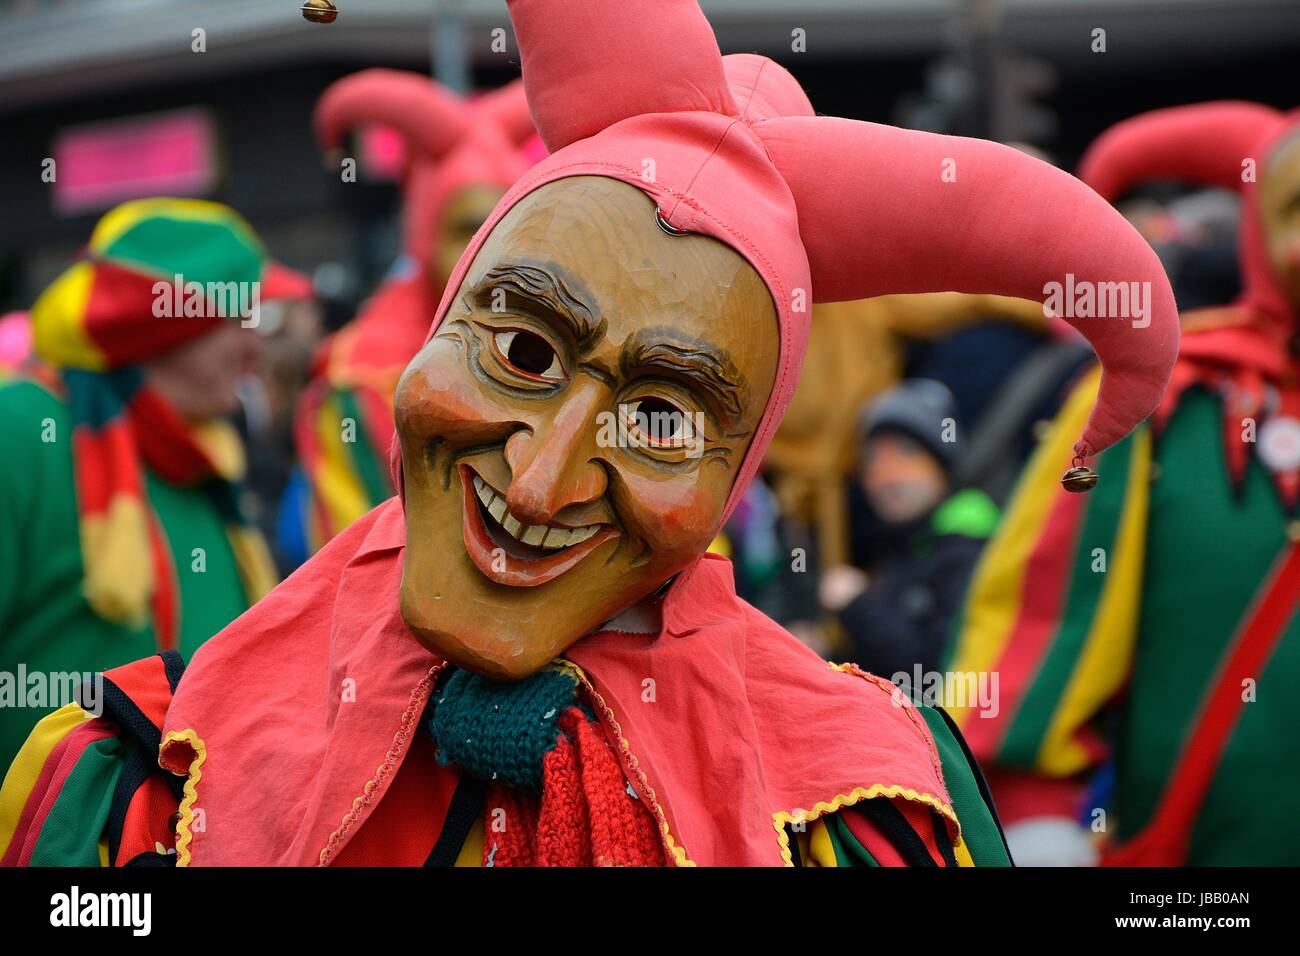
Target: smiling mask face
[{"x": 572, "y": 432}]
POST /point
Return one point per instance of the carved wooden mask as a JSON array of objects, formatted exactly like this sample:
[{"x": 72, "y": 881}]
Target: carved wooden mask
[{"x": 570, "y": 435}]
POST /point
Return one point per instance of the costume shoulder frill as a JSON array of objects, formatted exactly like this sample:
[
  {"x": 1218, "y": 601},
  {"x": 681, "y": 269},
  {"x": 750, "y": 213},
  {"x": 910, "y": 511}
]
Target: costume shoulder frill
[{"x": 86, "y": 788}]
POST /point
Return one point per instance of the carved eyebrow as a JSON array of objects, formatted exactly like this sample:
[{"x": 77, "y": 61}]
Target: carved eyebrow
[
  {"x": 548, "y": 291},
  {"x": 706, "y": 366}
]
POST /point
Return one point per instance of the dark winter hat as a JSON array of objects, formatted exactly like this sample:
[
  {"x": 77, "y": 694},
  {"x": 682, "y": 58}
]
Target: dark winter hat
[{"x": 921, "y": 409}]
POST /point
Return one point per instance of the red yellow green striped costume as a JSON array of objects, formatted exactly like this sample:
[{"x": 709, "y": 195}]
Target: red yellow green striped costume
[
  {"x": 111, "y": 579},
  {"x": 1114, "y": 664},
  {"x": 95, "y": 324},
  {"x": 1153, "y": 622}
]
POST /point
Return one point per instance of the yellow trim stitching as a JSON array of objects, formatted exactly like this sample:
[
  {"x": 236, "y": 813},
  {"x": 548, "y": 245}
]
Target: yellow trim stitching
[
  {"x": 901, "y": 700},
  {"x": 677, "y": 853},
  {"x": 195, "y": 773},
  {"x": 799, "y": 815},
  {"x": 410, "y": 717}
]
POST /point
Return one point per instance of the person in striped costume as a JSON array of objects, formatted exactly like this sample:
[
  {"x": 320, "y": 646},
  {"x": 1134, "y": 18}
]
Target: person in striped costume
[
  {"x": 528, "y": 657},
  {"x": 461, "y": 154},
  {"x": 1146, "y": 635},
  {"x": 123, "y": 531}
]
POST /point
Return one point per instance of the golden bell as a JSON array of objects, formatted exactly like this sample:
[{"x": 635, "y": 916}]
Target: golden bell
[
  {"x": 1079, "y": 478},
  {"x": 319, "y": 11}
]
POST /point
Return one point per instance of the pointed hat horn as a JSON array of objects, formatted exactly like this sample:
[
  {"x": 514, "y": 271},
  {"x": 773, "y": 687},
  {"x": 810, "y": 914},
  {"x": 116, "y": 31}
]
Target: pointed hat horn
[
  {"x": 1205, "y": 143},
  {"x": 886, "y": 210},
  {"x": 430, "y": 117}
]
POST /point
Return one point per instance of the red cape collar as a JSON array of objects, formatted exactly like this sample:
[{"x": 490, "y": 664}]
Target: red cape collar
[{"x": 299, "y": 714}]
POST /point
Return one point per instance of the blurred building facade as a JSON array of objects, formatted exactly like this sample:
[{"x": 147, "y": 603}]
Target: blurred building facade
[{"x": 225, "y": 112}]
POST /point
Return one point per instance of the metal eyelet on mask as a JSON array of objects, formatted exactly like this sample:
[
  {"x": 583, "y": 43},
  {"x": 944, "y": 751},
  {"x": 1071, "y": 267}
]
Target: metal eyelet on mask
[{"x": 666, "y": 226}]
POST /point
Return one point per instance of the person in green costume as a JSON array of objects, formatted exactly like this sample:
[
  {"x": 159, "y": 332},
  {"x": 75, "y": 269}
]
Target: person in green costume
[
  {"x": 1150, "y": 628},
  {"x": 121, "y": 532}
]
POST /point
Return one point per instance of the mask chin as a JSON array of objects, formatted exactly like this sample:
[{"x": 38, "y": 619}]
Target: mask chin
[
  {"x": 642, "y": 617},
  {"x": 510, "y": 641}
]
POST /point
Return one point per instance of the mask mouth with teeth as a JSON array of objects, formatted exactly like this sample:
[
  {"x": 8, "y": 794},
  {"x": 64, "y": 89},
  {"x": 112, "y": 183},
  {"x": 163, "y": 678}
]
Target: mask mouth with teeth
[
  {"x": 540, "y": 502},
  {"x": 510, "y": 552}
]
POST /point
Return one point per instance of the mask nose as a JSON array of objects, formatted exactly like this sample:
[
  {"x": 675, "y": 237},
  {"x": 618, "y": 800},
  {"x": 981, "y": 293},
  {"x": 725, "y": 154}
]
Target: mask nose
[{"x": 555, "y": 464}]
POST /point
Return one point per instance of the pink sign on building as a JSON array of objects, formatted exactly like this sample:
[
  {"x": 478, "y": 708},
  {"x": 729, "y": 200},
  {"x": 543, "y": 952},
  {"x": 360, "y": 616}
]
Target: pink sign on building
[{"x": 98, "y": 165}]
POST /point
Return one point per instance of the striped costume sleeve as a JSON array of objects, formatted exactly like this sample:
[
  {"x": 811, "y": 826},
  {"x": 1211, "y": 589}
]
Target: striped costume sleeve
[
  {"x": 56, "y": 796},
  {"x": 342, "y": 436},
  {"x": 899, "y": 832},
  {"x": 87, "y": 790},
  {"x": 1051, "y": 612}
]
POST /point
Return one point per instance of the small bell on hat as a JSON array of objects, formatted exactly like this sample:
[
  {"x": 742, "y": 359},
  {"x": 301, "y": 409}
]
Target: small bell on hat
[
  {"x": 1079, "y": 478},
  {"x": 319, "y": 11}
]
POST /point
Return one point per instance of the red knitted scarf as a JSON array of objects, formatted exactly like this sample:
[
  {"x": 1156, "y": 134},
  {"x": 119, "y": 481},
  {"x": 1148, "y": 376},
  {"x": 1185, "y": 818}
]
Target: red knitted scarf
[{"x": 587, "y": 815}]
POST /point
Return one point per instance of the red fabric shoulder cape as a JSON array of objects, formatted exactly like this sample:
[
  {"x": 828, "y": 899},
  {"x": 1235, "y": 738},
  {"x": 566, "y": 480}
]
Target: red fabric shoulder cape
[{"x": 292, "y": 722}]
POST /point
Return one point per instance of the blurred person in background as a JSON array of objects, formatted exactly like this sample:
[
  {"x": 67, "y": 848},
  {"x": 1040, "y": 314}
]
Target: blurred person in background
[
  {"x": 461, "y": 155},
  {"x": 897, "y": 614},
  {"x": 291, "y": 332},
  {"x": 1195, "y": 234},
  {"x": 1149, "y": 629},
  {"x": 857, "y": 350},
  {"x": 122, "y": 529}
]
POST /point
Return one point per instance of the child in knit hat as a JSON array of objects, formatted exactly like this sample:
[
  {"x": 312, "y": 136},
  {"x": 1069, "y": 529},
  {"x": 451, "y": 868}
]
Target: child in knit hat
[{"x": 930, "y": 535}]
